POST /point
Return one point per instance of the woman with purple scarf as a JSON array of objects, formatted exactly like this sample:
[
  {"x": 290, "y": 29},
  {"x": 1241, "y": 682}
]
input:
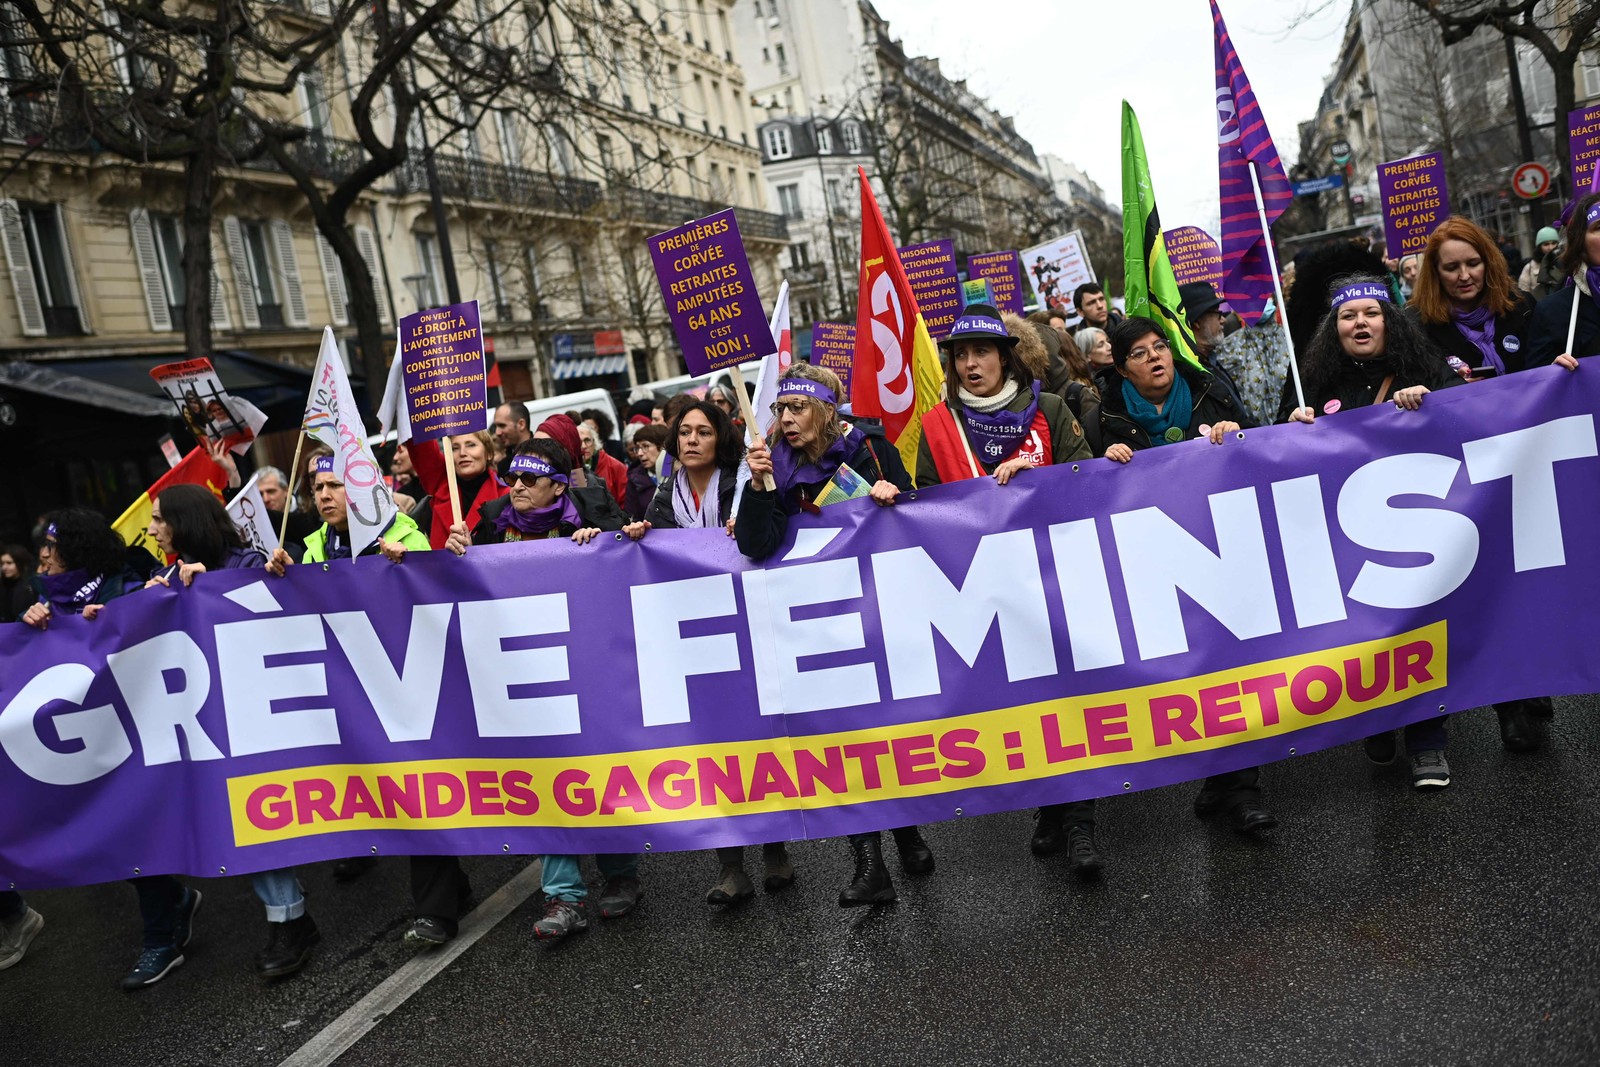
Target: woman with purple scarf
[
  {"x": 1575, "y": 307},
  {"x": 1468, "y": 304},
  {"x": 809, "y": 444}
]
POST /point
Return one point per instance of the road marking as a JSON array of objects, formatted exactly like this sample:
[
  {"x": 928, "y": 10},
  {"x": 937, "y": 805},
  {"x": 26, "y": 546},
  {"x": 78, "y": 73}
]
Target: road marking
[{"x": 338, "y": 1036}]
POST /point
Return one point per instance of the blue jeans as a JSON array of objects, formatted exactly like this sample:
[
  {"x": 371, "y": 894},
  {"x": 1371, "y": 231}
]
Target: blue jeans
[
  {"x": 1429, "y": 733},
  {"x": 564, "y": 881},
  {"x": 280, "y": 892}
]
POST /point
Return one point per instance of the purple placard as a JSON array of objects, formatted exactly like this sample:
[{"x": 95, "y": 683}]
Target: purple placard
[
  {"x": 1583, "y": 147},
  {"x": 710, "y": 293},
  {"x": 223, "y": 725},
  {"x": 931, "y": 271},
  {"x": 442, "y": 368},
  {"x": 1415, "y": 200},
  {"x": 1003, "y": 272},
  {"x": 833, "y": 345},
  {"x": 1195, "y": 256}
]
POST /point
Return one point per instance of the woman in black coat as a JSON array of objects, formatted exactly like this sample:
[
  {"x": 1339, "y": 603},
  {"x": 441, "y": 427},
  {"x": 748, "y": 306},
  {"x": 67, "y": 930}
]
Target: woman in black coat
[
  {"x": 1467, "y": 303},
  {"x": 1580, "y": 260},
  {"x": 809, "y": 443},
  {"x": 540, "y": 504}
]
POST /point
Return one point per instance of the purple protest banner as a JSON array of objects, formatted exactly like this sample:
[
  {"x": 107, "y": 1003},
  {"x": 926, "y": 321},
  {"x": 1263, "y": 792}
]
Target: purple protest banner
[
  {"x": 710, "y": 293},
  {"x": 1583, "y": 147},
  {"x": 1415, "y": 200},
  {"x": 976, "y": 647},
  {"x": 931, "y": 272},
  {"x": 1003, "y": 272},
  {"x": 833, "y": 345},
  {"x": 442, "y": 371},
  {"x": 1195, "y": 256}
]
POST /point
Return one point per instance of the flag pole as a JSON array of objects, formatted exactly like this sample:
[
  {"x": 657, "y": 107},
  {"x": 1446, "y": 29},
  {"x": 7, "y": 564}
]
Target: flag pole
[
  {"x": 748, "y": 414},
  {"x": 288, "y": 496},
  {"x": 1279, "y": 308},
  {"x": 1572, "y": 319}
]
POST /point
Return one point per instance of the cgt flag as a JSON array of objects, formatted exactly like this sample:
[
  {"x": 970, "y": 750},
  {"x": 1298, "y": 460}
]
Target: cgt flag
[
  {"x": 1242, "y": 140},
  {"x": 1149, "y": 287},
  {"x": 897, "y": 376},
  {"x": 197, "y": 468}
]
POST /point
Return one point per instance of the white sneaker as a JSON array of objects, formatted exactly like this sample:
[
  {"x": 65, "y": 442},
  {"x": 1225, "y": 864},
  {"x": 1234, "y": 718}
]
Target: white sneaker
[
  {"x": 15, "y": 936},
  {"x": 1429, "y": 769}
]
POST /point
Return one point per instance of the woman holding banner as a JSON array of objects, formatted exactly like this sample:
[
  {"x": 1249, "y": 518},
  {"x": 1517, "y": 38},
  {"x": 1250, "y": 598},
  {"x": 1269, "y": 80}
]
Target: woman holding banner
[
  {"x": 1572, "y": 311},
  {"x": 708, "y": 477},
  {"x": 1367, "y": 352},
  {"x": 810, "y": 447},
  {"x": 82, "y": 567},
  {"x": 996, "y": 421},
  {"x": 189, "y": 522},
  {"x": 476, "y": 480}
]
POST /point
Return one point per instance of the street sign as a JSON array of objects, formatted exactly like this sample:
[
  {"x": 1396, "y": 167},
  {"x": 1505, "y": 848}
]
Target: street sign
[
  {"x": 1319, "y": 185},
  {"x": 1341, "y": 151},
  {"x": 1530, "y": 181}
]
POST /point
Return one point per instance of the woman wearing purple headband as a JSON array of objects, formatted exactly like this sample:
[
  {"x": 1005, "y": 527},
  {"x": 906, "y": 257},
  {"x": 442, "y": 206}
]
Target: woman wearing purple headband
[
  {"x": 1575, "y": 307},
  {"x": 809, "y": 443}
]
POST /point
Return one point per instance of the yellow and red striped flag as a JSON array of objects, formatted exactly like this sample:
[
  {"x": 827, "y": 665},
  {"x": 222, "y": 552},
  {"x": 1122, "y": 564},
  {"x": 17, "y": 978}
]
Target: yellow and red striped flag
[{"x": 197, "y": 468}]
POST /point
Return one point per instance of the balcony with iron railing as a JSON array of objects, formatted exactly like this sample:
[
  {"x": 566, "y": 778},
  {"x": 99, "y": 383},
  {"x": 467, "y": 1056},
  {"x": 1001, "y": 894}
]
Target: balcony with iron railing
[
  {"x": 668, "y": 209},
  {"x": 477, "y": 179}
]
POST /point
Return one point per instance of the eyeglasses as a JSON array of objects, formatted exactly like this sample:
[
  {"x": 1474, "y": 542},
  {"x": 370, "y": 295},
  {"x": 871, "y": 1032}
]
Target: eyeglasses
[
  {"x": 1145, "y": 355},
  {"x": 793, "y": 407},
  {"x": 527, "y": 479}
]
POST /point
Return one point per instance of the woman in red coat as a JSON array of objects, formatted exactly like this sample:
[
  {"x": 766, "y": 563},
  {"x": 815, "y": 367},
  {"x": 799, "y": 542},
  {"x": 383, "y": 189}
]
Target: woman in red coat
[{"x": 475, "y": 479}]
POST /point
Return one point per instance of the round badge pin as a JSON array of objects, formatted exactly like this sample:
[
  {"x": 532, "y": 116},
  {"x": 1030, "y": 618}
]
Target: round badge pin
[
  {"x": 1332, "y": 406},
  {"x": 1512, "y": 344},
  {"x": 1174, "y": 434},
  {"x": 1205, "y": 430}
]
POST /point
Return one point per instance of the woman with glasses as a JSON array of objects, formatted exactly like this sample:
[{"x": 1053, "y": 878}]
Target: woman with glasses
[{"x": 809, "y": 445}]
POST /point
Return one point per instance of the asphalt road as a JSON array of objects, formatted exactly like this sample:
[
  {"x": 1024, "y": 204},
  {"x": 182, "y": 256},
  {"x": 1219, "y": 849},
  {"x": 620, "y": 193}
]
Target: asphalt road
[{"x": 1375, "y": 926}]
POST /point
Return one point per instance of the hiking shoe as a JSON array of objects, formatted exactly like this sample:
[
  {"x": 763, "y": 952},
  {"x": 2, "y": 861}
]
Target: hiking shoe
[
  {"x": 561, "y": 917},
  {"x": 733, "y": 887},
  {"x": 153, "y": 965},
  {"x": 1050, "y": 835},
  {"x": 1429, "y": 769},
  {"x": 16, "y": 935},
  {"x": 289, "y": 946},
  {"x": 427, "y": 932},
  {"x": 1083, "y": 859},
  {"x": 1380, "y": 748},
  {"x": 619, "y": 896},
  {"x": 779, "y": 869},
  {"x": 183, "y": 930}
]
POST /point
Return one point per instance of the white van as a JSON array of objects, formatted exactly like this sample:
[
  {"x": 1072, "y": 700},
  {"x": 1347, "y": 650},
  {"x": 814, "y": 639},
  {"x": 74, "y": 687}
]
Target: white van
[
  {"x": 701, "y": 384},
  {"x": 545, "y": 406}
]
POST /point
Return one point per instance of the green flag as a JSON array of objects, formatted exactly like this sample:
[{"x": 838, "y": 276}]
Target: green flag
[{"x": 1149, "y": 288}]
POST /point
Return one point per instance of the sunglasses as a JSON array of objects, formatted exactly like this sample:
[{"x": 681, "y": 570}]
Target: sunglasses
[
  {"x": 794, "y": 407},
  {"x": 527, "y": 479}
]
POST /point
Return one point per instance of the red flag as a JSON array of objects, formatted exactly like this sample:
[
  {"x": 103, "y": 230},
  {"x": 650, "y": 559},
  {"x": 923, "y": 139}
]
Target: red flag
[{"x": 197, "y": 468}]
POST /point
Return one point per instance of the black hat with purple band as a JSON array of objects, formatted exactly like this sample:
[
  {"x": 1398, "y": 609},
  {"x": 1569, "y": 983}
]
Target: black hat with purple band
[{"x": 979, "y": 322}]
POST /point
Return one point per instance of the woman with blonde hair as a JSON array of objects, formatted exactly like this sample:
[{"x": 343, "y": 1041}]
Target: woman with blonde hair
[{"x": 476, "y": 479}]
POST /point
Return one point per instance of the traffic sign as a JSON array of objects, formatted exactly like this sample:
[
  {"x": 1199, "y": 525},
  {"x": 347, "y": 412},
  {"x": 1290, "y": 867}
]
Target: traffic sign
[
  {"x": 1319, "y": 185},
  {"x": 1341, "y": 151},
  {"x": 1530, "y": 181}
]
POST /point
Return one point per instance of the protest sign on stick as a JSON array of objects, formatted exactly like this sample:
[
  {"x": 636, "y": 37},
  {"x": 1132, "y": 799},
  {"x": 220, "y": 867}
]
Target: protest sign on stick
[
  {"x": 931, "y": 270},
  {"x": 249, "y": 513},
  {"x": 710, "y": 293},
  {"x": 1004, "y": 275},
  {"x": 833, "y": 345},
  {"x": 205, "y": 406},
  {"x": 1415, "y": 201},
  {"x": 1055, "y": 270},
  {"x": 1195, "y": 256},
  {"x": 443, "y": 380}
]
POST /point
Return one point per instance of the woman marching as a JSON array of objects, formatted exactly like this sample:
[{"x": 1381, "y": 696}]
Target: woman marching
[
  {"x": 476, "y": 480},
  {"x": 1470, "y": 308},
  {"x": 1576, "y": 305},
  {"x": 1367, "y": 352},
  {"x": 809, "y": 445},
  {"x": 541, "y": 505},
  {"x": 707, "y": 478}
]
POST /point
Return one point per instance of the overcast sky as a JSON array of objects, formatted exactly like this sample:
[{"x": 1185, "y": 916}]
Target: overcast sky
[{"x": 1061, "y": 69}]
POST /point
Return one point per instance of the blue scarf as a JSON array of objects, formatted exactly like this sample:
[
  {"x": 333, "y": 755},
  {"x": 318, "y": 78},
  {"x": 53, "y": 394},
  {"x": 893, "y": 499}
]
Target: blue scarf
[
  {"x": 790, "y": 468},
  {"x": 1175, "y": 415},
  {"x": 1477, "y": 326},
  {"x": 538, "y": 522}
]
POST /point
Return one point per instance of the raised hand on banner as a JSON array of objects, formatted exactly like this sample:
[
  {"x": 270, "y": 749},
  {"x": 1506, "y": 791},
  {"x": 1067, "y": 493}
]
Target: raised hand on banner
[
  {"x": 1011, "y": 468},
  {"x": 224, "y": 459},
  {"x": 279, "y": 563},
  {"x": 37, "y": 616},
  {"x": 1305, "y": 415},
  {"x": 759, "y": 460},
  {"x": 882, "y": 493},
  {"x": 393, "y": 551},
  {"x": 92, "y": 611},
  {"x": 1220, "y": 431},
  {"x": 1567, "y": 360},
  {"x": 458, "y": 540},
  {"x": 730, "y": 525},
  {"x": 585, "y": 535},
  {"x": 636, "y": 530},
  {"x": 1119, "y": 453},
  {"x": 1410, "y": 398}
]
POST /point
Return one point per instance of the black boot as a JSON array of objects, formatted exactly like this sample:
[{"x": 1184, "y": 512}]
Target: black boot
[
  {"x": 1250, "y": 816},
  {"x": 1050, "y": 835},
  {"x": 1516, "y": 730},
  {"x": 915, "y": 855},
  {"x": 1083, "y": 859},
  {"x": 353, "y": 867},
  {"x": 288, "y": 948},
  {"x": 871, "y": 884}
]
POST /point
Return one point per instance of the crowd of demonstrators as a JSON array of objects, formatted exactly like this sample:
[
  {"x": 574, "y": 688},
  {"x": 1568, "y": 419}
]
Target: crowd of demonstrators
[{"x": 1019, "y": 394}]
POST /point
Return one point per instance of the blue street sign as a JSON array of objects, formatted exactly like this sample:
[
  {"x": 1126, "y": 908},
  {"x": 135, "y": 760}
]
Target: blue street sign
[{"x": 1319, "y": 185}]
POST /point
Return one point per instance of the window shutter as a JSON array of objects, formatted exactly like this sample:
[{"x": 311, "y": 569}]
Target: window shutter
[
  {"x": 220, "y": 319},
  {"x": 30, "y": 311},
  {"x": 249, "y": 310},
  {"x": 367, "y": 242},
  {"x": 144, "y": 253},
  {"x": 333, "y": 278},
  {"x": 294, "y": 296},
  {"x": 72, "y": 270}
]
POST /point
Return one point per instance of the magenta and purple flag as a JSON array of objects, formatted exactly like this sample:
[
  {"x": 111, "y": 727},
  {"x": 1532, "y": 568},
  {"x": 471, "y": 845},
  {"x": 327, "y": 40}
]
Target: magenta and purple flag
[{"x": 1242, "y": 139}]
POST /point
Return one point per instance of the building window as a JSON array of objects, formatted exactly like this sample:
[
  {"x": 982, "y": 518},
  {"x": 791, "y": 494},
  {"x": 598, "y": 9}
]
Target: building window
[
  {"x": 166, "y": 232},
  {"x": 560, "y": 149},
  {"x": 510, "y": 139},
  {"x": 497, "y": 281},
  {"x": 579, "y": 282},
  {"x": 755, "y": 190},
  {"x": 608, "y": 159},
  {"x": 799, "y": 254},
  {"x": 314, "y": 102},
  {"x": 42, "y": 273},
  {"x": 258, "y": 258},
  {"x": 824, "y": 141},
  {"x": 835, "y": 196},
  {"x": 775, "y": 139},
  {"x": 1591, "y": 73},
  {"x": 783, "y": 61},
  {"x": 789, "y": 201},
  {"x": 428, "y": 263},
  {"x": 852, "y": 137}
]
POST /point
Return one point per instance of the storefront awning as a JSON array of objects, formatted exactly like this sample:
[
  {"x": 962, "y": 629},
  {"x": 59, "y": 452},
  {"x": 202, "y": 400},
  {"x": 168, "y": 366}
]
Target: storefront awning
[{"x": 60, "y": 384}]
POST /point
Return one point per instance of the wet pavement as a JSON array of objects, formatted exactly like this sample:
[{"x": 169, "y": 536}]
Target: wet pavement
[{"x": 1375, "y": 926}]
